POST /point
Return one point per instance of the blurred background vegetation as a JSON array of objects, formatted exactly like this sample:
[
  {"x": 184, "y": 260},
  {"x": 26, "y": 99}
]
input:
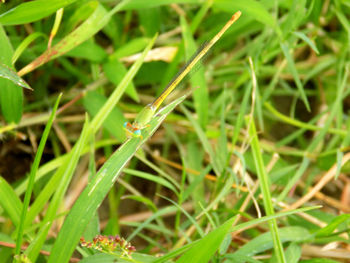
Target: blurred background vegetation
[{"x": 283, "y": 64}]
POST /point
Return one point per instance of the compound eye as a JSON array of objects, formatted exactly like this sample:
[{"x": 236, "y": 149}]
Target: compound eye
[
  {"x": 125, "y": 124},
  {"x": 137, "y": 133}
]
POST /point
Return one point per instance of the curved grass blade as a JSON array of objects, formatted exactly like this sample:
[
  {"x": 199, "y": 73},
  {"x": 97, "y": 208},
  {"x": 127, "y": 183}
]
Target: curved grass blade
[{"x": 25, "y": 43}]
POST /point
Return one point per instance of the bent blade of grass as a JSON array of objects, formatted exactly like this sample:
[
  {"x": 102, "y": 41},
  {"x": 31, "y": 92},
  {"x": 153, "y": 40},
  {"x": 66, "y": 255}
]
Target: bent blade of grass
[
  {"x": 190, "y": 218},
  {"x": 25, "y": 43},
  {"x": 98, "y": 19},
  {"x": 158, "y": 170},
  {"x": 153, "y": 178},
  {"x": 33, "y": 172},
  {"x": 301, "y": 124},
  {"x": 93, "y": 195}
]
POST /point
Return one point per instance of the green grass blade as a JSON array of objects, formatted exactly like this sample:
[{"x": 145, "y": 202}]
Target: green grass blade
[
  {"x": 200, "y": 95},
  {"x": 33, "y": 172},
  {"x": 10, "y": 202},
  {"x": 293, "y": 253},
  {"x": 152, "y": 178},
  {"x": 205, "y": 248},
  {"x": 25, "y": 43},
  {"x": 11, "y": 96},
  {"x": 32, "y": 11},
  {"x": 301, "y": 124},
  {"x": 119, "y": 91},
  {"x": 304, "y": 37},
  {"x": 292, "y": 68},
  {"x": 93, "y": 102},
  {"x": 319, "y": 138},
  {"x": 265, "y": 188},
  {"x": 7, "y": 73},
  {"x": 205, "y": 142},
  {"x": 95, "y": 192}
]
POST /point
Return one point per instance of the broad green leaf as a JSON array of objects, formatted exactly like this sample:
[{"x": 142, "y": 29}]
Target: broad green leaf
[
  {"x": 11, "y": 95},
  {"x": 32, "y": 11},
  {"x": 293, "y": 253}
]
